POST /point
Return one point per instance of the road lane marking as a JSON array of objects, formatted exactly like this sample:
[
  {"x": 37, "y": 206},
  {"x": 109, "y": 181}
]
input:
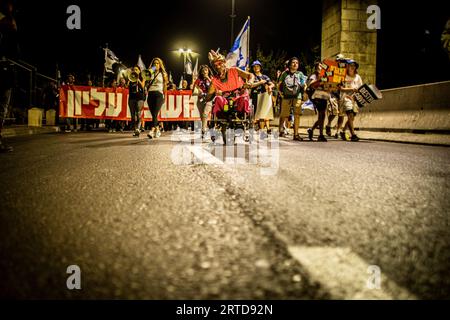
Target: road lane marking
[
  {"x": 343, "y": 274},
  {"x": 203, "y": 155}
]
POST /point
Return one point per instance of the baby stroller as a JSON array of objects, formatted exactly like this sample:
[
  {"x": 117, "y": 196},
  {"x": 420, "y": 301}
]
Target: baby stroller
[{"x": 231, "y": 122}]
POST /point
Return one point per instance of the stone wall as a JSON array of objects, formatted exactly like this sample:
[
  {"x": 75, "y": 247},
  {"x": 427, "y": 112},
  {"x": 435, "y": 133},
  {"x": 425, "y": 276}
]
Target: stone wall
[{"x": 344, "y": 30}]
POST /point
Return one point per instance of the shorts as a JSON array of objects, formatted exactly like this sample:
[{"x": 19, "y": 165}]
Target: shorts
[
  {"x": 320, "y": 104},
  {"x": 333, "y": 107},
  {"x": 287, "y": 104},
  {"x": 347, "y": 106}
]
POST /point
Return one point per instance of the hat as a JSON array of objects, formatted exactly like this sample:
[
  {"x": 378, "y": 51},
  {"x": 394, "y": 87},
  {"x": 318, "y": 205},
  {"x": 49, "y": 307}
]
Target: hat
[
  {"x": 256, "y": 63},
  {"x": 340, "y": 56},
  {"x": 351, "y": 61}
]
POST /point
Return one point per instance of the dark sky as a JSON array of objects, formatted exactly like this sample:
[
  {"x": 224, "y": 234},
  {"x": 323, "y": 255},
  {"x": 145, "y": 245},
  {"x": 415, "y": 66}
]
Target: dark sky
[
  {"x": 154, "y": 28},
  {"x": 409, "y": 48}
]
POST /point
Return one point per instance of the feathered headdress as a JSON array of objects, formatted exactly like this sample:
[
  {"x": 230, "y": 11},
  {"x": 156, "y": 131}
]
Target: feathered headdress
[{"x": 215, "y": 56}]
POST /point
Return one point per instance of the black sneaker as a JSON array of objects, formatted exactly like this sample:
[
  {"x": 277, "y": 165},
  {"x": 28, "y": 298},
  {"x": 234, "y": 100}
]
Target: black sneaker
[
  {"x": 136, "y": 133},
  {"x": 297, "y": 138},
  {"x": 328, "y": 130},
  {"x": 343, "y": 136},
  {"x": 310, "y": 134},
  {"x": 322, "y": 138},
  {"x": 354, "y": 138},
  {"x": 336, "y": 136}
]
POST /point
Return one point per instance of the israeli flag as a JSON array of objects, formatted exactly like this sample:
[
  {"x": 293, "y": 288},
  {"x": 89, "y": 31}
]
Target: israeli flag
[
  {"x": 308, "y": 105},
  {"x": 238, "y": 56}
]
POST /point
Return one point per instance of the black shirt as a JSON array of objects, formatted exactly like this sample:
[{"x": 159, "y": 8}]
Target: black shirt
[{"x": 135, "y": 91}]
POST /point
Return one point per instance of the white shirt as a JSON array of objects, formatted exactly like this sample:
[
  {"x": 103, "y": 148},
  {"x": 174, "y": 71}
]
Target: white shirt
[
  {"x": 318, "y": 94},
  {"x": 158, "y": 83},
  {"x": 350, "y": 82}
]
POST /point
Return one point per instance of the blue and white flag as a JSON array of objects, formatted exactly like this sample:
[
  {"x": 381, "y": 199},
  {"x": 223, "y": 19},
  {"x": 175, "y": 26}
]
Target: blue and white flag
[
  {"x": 238, "y": 56},
  {"x": 308, "y": 105}
]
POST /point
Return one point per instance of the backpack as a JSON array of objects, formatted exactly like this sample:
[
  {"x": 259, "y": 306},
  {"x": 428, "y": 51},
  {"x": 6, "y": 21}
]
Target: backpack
[{"x": 291, "y": 86}]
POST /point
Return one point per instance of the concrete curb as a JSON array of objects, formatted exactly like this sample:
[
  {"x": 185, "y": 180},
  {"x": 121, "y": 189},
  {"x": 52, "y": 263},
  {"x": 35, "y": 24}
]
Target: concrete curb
[{"x": 19, "y": 131}]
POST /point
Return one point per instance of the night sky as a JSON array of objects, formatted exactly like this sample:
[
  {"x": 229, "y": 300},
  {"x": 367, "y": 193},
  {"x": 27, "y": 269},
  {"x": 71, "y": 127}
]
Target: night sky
[{"x": 409, "y": 36}]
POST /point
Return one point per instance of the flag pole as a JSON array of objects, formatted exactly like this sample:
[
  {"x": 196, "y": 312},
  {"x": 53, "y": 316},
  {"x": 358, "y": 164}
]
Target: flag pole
[
  {"x": 248, "y": 44},
  {"x": 104, "y": 67}
]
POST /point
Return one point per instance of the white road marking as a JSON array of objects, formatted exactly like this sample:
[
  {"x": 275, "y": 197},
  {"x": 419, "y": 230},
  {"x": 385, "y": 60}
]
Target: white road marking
[
  {"x": 203, "y": 155},
  {"x": 344, "y": 275},
  {"x": 339, "y": 272}
]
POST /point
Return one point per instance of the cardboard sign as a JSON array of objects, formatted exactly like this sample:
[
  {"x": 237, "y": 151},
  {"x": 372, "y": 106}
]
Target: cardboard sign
[
  {"x": 332, "y": 74},
  {"x": 366, "y": 94}
]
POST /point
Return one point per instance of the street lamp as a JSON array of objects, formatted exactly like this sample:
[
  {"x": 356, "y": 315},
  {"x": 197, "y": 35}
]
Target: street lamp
[{"x": 184, "y": 52}]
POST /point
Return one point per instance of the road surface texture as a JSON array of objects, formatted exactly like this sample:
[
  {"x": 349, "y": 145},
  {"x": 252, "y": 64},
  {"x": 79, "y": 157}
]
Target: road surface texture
[{"x": 175, "y": 219}]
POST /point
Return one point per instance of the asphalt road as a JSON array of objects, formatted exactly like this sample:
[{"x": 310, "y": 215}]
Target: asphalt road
[{"x": 173, "y": 219}]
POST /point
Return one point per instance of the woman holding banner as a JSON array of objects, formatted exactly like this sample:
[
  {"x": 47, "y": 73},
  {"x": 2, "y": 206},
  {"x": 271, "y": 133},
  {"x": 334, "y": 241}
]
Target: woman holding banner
[
  {"x": 352, "y": 82},
  {"x": 157, "y": 92},
  {"x": 319, "y": 98}
]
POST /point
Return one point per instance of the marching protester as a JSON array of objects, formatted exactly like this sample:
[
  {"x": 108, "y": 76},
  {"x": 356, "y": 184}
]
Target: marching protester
[
  {"x": 291, "y": 85},
  {"x": 334, "y": 108},
  {"x": 319, "y": 98},
  {"x": 352, "y": 82},
  {"x": 70, "y": 123},
  {"x": 111, "y": 125},
  {"x": 157, "y": 92},
  {"x": 136, "y": 99},
  {"x": 201, "y": 88},
  {"x": 184, "y": 85},
  {"x": 8, "y": 49},
  {"x": 229, "y": 83},
  {"x": 262, "y": 84}
]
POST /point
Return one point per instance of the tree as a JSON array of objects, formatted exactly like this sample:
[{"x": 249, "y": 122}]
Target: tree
[
  {"x": 308, "y": 59},
  {"x": 271, "y": 62}
]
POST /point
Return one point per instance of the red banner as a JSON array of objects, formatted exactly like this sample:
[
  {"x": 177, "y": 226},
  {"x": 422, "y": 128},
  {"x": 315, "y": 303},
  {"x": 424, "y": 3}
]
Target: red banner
[{"x": 110, "y": 103}]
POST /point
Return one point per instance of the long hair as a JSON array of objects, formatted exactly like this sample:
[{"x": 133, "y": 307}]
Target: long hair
[
  {"x": 161, "y": 65},
  {"x": 200, "y": 73}
]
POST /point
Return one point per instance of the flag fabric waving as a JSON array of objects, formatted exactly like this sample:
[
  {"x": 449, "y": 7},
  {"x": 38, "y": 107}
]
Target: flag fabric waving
[
  {"x": 195, "y": 71},
  {"x": 141, "y": 63},
  {"x": 239, "y": 53},
  {"x": 188, "y": 64},
  {"x": 110, "y": 59}
]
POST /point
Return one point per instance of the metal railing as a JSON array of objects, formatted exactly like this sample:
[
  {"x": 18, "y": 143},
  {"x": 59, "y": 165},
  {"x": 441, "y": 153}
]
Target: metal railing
[{"x": 28, "y": 89}]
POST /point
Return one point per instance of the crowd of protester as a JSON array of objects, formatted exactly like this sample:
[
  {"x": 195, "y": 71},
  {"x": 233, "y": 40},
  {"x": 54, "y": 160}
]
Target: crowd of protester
[{"x": 288, "y": 92}]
